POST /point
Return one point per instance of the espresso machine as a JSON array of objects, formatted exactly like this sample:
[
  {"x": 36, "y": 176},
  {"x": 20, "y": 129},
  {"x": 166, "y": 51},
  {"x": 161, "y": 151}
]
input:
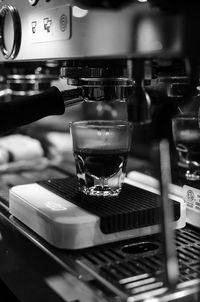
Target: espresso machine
[{"x": 107, "y": 51}]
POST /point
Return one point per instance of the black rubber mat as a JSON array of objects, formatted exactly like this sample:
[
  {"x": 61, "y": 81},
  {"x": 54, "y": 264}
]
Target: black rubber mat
[{"x": 133, "y": 208}]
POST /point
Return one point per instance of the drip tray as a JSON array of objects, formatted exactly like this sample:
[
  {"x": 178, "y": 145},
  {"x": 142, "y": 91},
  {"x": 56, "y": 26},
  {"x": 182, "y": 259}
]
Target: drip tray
[
  {"x": 130, "y": 269},
  {"x": 137, "y": 266}
]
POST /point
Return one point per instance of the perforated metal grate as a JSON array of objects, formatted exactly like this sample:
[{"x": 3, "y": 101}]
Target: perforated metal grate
[{"x": 137, "y": 266}]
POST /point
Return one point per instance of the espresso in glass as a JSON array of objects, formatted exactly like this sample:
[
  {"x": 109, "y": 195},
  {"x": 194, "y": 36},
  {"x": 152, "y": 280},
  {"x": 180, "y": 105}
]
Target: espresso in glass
[{"x": 101, "y": 150}]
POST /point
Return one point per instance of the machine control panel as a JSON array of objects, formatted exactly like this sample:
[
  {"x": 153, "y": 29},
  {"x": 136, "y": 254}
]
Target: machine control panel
[
  {"x": 62, "y": 29},
  {"x": 51, "y": 25}
]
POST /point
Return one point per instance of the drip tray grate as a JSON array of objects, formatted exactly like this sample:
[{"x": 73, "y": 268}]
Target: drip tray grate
[
  {"x": 137, "y": 265},
  {"x": 132, "y": 268}
]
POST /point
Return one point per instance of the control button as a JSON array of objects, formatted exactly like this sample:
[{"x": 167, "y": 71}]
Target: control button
[
  {"x": 10, "y": 31},
  {"x": 63, "y": 22},
  {"x": 47, "y": 24},
  {"x": 45, "y": 21},
  {"x": 33, "y": 2},
  {"x": 34, "y": 24}
]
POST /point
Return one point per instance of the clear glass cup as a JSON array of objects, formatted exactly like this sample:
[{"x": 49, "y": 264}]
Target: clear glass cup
[
  {"x": 186, "y": 136},
  {"x": 101, "y": 149}
]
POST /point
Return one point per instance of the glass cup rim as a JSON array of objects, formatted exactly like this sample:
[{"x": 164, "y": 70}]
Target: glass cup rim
[
  {"x": 100, "y": 123},
  {"x": 185, "y": 117}
]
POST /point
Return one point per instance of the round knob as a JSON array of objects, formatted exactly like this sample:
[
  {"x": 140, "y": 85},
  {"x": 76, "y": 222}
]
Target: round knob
[{"x": 10, "y": 31}]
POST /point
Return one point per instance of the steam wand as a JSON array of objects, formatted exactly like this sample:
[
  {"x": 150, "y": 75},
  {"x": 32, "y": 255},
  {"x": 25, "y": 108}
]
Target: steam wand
[{"x": 161, "y": 156}]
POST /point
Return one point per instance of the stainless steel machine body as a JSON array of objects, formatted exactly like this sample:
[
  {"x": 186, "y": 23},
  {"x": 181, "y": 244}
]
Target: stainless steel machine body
[{"x": 66, "y": 30}]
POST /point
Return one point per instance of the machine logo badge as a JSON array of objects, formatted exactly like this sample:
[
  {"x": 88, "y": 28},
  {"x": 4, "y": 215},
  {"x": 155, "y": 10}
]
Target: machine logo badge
[
  {"x": 190, "y": 195},
  {"x": 190, "y": 198}
]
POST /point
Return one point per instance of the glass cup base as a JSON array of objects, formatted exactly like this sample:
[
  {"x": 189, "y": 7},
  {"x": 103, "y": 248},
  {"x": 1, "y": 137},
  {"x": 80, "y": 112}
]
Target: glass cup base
[{"x": 100, "y": 191}]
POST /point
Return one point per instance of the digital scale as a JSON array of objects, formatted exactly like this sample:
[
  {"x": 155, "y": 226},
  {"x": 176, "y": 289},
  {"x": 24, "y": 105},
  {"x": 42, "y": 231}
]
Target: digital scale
[{"x": 68, "y": 219}]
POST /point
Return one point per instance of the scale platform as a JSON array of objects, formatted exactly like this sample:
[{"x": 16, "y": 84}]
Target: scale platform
[{"x": 68, "y": 219}]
